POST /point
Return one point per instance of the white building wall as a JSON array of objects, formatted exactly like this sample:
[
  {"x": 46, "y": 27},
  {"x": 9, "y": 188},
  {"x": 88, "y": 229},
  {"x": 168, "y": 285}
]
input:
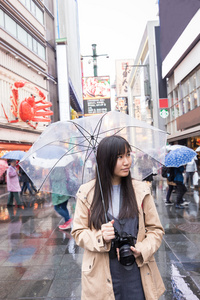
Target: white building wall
[{"x": 68, "y": 27}]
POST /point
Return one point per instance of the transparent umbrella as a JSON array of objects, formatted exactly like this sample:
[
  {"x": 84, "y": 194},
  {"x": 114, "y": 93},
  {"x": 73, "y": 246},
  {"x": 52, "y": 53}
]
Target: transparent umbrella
[{"x": 64, "y": 156}]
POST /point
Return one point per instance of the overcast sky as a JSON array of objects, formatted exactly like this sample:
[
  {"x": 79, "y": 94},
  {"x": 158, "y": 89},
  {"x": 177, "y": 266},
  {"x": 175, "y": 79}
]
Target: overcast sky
[{"x": 116, "y": 27}]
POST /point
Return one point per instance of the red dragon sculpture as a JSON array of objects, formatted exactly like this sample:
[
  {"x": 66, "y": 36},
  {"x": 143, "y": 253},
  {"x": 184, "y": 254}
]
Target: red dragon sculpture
[{"x": 29, "y": 110}]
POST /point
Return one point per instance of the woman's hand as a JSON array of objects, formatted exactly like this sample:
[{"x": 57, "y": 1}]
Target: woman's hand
[
  {"x": 136, "y": 253},
  {"x": 108, "y": 232}
]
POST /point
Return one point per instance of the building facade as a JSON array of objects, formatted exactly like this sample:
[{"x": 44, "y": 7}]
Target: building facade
[
  {"x": 180, "y": 50},
  {"x": 68, "y": 58},
  {"x": 146, "y": 87},
  {"x": 27, "y": 70}
]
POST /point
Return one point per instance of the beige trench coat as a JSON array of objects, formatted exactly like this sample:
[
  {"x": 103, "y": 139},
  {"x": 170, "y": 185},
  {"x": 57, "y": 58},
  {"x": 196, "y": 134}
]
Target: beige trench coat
[{"x": 96, "y": 277}]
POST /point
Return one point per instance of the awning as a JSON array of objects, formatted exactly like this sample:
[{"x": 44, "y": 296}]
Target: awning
[{"x": 13, "y": 146}]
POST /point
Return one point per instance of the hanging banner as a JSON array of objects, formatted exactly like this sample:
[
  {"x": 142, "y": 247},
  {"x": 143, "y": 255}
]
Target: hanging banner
[{"x": 123, "y": 70}]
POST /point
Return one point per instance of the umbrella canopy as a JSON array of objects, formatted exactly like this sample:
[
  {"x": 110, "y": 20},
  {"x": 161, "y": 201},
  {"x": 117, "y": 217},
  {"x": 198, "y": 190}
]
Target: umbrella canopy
[
  {"x": 16, "y": 155},
  {"x": 198, "y": 149},
  {"x": 179, "y": 157},
  {"x": 64, "y": 157},
  {"x": 173, "y": 147}
]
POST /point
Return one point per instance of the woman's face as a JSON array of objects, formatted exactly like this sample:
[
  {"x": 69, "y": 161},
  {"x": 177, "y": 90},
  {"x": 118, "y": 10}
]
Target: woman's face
[{"x": 122, "y": 166}]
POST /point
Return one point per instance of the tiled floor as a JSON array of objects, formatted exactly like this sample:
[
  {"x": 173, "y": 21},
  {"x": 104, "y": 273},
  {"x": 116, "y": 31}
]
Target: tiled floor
[{"x": 38, "y": 261}]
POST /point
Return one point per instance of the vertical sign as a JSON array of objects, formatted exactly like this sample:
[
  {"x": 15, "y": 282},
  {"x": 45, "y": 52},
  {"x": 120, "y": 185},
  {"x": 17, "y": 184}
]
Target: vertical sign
[{"x": 123, "y": 71}]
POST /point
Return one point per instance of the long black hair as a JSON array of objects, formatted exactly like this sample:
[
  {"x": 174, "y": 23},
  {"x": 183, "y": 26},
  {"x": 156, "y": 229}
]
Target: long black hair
[{"x": 107, "y": 153}]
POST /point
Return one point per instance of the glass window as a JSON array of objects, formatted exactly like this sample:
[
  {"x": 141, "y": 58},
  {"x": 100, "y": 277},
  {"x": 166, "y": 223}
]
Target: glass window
[
  {"x": 10, "y": 25},
  {"x": 188, "y": 103},
  {"x": 172, "y": 113},
  {"x": 28, "y": 4},
  {"x": 22, "y": 35},
  {"x": 182, "y": 105},
  {"x": 193, "y": 82},
  {"x": 23, "y": 2},
  {"x": 186, "y": 88},
  {"x": 33, "y": 8},
  {"x": 41, "y": 51},
  {"x": 176, "y": 95},
  {"x": 39, "y": 15},
  {"x": 30, "y": 42},
  {"x": 194, "y": 97},
  {"x": 177, "y": 112},
  {"x": 171, "y": 100},
  {"x": 198, "y": 78},
  {"x": 34, "y": 45},
  {"x": 1, "y": 18}
]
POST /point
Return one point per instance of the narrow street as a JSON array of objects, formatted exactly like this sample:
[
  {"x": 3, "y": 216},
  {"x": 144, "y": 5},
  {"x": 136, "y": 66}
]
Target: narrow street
[{"x": 39, "y": 261}]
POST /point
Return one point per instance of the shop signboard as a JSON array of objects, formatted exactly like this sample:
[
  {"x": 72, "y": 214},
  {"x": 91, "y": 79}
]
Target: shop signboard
[
  {"x": 96, "y": 95},
  {"x": 164, "y": 113}
]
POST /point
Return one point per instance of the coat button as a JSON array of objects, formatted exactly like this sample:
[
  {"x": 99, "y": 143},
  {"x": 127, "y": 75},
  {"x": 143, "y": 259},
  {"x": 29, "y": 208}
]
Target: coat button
[
  {"x": 99, "y": 240},
  {"x": 90, "y": 266},
  {"x": 108, "y": 280}
]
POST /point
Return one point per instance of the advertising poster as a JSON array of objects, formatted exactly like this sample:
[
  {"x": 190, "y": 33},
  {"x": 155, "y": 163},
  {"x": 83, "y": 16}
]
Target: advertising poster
[{"x": 96, "y": 95}]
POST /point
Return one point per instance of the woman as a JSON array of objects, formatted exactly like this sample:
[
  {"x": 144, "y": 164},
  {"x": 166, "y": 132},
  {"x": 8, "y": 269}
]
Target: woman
[
  {"x": 131, "y": 209},
  {"x": 13, "y": 185},
  {"x": 60, "y": 205}
]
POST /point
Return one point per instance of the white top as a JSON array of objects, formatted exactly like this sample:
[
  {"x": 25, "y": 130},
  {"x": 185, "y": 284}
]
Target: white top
[
  {"x": 114, "y": 204},
  {"x": 191, "y": 166}
]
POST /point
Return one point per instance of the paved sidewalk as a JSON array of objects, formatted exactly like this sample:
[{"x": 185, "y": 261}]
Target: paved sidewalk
[{"x": 39, "y": 261}]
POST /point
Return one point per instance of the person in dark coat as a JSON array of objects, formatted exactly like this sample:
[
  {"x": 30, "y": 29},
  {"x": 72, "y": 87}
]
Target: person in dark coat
[
  {"x": 181, "y": 188},
  {"x": 25, "y": 182}
]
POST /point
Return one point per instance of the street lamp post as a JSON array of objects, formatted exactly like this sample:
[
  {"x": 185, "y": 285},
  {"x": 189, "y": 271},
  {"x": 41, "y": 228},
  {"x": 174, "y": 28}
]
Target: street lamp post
[{"x": 94, "y": 57}]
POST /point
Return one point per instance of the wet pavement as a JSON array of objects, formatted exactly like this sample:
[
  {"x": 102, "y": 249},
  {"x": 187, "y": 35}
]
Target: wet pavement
[{"x": 39, "y": 261}]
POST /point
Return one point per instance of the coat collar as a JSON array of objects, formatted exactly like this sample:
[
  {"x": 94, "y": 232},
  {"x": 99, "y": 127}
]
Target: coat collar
[{"x": 86, "y": 192}]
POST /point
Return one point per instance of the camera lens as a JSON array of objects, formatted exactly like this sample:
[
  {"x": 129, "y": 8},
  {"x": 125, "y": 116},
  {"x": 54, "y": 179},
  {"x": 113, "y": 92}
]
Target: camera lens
[{"x": 126, "y": 256}]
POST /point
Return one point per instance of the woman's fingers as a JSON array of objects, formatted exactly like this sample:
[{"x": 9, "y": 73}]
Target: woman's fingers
[
  {"x": 107, "y": 230},
  {"x": 136, "y": 253}
]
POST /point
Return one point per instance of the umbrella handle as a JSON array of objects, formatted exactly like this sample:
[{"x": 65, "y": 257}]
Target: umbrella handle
[{"x": 101, "y": 191}]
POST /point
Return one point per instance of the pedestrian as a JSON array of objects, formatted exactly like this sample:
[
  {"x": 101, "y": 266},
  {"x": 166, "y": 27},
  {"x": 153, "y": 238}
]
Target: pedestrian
[
  {"x": 170, "y": 182},
  {"x": 13, "y": 185},
  {"x": 108, "y": 269},
  {"x": 190, "y": 169},
  {"x": 60, "y": 205},
  {"x": 25, "y": 182},
  {"x": 181, "y": 188}
]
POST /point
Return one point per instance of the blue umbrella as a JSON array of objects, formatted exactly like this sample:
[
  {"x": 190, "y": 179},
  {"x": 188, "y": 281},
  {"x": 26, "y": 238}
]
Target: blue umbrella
[
  {"x": 16, "y": 155},
  {"x": 179, "y": 157}
]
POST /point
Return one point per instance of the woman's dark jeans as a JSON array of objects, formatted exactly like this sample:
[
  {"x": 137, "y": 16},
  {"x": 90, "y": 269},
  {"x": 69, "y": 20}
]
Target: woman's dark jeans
[{"x": 62, "y": 210}]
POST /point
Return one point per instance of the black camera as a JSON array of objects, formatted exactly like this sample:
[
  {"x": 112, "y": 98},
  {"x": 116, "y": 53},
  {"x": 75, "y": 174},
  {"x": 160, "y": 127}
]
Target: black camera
[{"x": 123, "y": 242}]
